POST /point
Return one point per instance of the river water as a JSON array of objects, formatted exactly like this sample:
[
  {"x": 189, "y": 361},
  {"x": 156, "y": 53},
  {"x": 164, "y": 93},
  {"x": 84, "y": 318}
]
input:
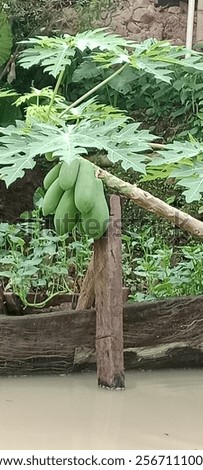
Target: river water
[{"x": 158, "y": 410}]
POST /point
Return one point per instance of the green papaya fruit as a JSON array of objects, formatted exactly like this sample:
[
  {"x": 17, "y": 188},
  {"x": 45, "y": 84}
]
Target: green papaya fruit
[
  {"x": 96, "y": 221},
  {"x": 52, "y": 198},
  {"x": 85, "y": 187},
  {"x": 66, "y": 214},
  {"x": 68, "y": 174},
  {"x": 52, "y": 175}
]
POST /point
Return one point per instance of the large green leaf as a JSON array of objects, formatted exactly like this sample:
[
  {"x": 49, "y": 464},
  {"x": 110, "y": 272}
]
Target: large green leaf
[
  {"x": 191, "y": 177},
  {"x": 154, "y": 57},
  {"x": 100, "y": 39},
  {"x": 55, "y": 53},
  {"x": 177, "y": 152},
  {"x": 184, "y": 162},
  {"x": 5, "y": 38},
  {"x": 194, "y": 188},
  {"x": 20, "y": 144},
  {"x": 87, "y": 69}
]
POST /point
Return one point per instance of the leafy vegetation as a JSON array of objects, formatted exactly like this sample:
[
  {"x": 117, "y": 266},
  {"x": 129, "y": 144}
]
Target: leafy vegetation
[
  {"x": 153, "y": 269},
  {"x": 34, "y": 259}
]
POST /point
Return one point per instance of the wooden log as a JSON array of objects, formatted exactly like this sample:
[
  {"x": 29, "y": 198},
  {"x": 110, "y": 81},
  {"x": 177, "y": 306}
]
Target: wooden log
[
  {"x": 87, "y": 295},
  {"x": 162, "y": 334},
  {"x": 13, "y": 304},
  {"x": 15, "y": 307},
  {"x": 109, "y": 302}
]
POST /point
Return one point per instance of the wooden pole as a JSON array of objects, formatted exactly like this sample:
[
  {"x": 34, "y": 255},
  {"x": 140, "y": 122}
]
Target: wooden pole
[{"x": 109, "y": 302}]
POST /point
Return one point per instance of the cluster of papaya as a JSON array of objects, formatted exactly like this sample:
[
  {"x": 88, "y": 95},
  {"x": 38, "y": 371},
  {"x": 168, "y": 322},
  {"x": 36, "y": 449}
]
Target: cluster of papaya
[{"x": 76, "y": 197}]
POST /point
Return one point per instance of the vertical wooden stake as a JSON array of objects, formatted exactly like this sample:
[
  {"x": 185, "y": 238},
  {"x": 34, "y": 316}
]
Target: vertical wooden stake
[{"x": 109, "y": 302}]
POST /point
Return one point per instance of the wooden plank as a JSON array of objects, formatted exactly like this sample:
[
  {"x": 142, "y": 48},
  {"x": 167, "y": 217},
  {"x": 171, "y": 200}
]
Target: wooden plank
[
  {"x": 44, "y": 343},
  {"x": 161, "y": 334},
  {"x": 109, "y": 302}
]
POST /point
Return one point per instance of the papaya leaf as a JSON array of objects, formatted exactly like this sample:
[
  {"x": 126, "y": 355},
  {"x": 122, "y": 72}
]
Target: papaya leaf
[
  {"x": 6, "y": 40},
  {"x": 87, "y": 69},
  {"x": 20, "y": 145},
  {"x": 186, "y": 171},
  {"x": 159, "y": 70},
  {"x": 10, "y": 173},
  {"x": 132, "y": 133},
  {"x": 194, "y": 188},
  {"x": 54, "y": 54},
  {"x": 35, "y": 94},
  {"x": 152, "y": 56},
  {"x": 154, "y": 173},
  {"x": 177, "y": 151},
  {"x": 128, "y": 157},
  {"x": 101, "y": 39},
  {"x": 123, "y": 82}
]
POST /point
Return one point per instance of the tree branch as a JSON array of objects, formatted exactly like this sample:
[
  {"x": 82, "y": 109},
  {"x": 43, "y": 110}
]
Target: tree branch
[{"x": 153, "y": 204}]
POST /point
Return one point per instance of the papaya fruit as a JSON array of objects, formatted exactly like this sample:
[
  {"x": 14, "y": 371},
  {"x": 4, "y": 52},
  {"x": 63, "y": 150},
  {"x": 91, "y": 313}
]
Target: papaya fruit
[
  {"x": 85, "y": 187},
  {"x": 52, "y": 198},
  {"x": 68, "y": 174},
  {"x": 52, "y": 175},
  {"x": 96, "y": 221},
  {"x": 66, "y": 215}
]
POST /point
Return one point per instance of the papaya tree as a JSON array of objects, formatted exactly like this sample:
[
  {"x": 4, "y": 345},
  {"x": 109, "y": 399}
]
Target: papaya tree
[{"x": 67, "y": 133}]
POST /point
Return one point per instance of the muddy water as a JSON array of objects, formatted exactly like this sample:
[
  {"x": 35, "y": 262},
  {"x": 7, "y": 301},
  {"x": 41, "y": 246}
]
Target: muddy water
[{"x": 158, "y": 410}]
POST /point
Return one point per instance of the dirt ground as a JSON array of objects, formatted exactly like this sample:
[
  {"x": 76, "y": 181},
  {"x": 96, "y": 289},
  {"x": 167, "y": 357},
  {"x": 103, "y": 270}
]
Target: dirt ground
[{"x": 19, "y": 196}]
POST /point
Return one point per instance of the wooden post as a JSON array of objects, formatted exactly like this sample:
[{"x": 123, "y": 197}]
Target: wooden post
[{"x": 109, "y": 302}]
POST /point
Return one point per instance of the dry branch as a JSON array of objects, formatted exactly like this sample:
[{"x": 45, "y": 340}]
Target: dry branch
[{"x": 153, "y": 204}]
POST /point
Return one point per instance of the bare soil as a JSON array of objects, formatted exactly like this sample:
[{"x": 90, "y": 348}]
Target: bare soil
[{"x": 19, "y": 196}]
